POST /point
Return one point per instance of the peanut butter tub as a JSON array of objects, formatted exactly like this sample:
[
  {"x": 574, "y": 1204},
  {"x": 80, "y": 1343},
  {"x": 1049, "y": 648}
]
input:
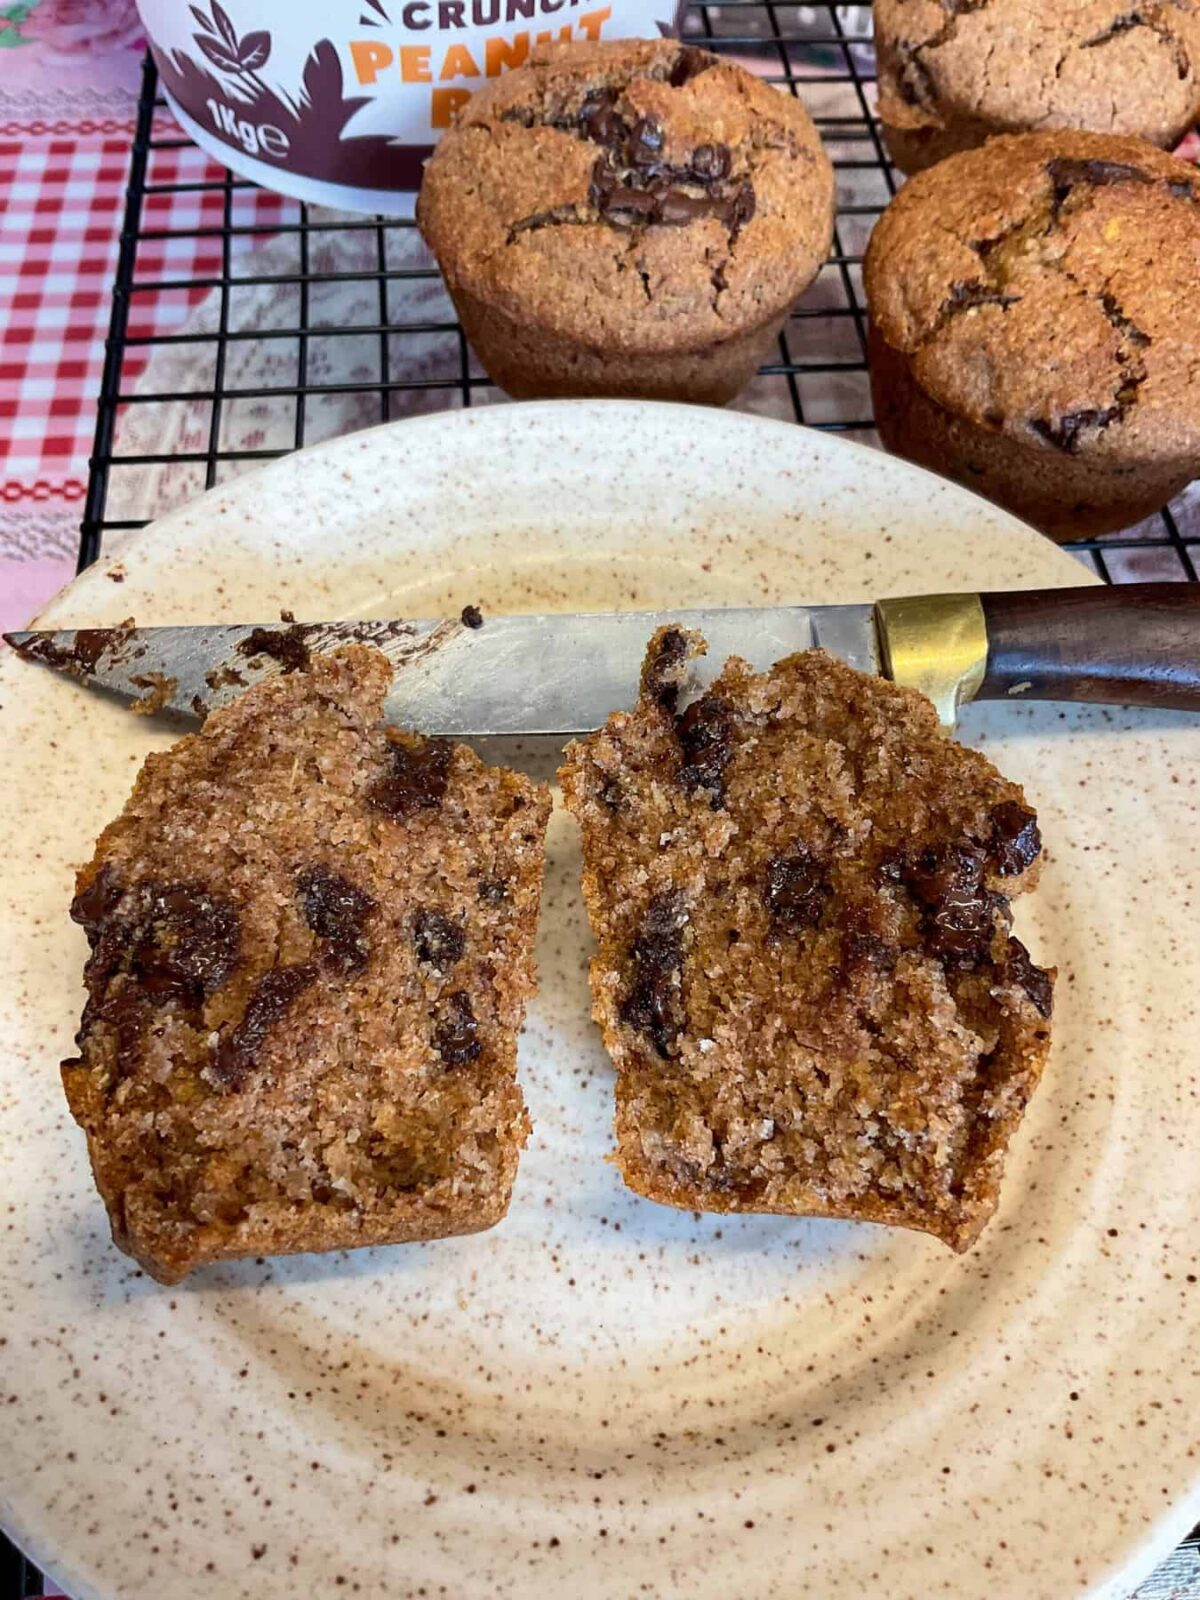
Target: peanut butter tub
[{"x": 340, "y": 103}]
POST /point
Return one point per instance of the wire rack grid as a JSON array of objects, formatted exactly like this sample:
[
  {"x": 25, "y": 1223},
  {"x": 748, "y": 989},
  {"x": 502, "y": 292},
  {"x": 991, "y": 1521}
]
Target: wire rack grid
[
  {"x": 278, "y": 282},
  {"x": 283, "y": 286}
]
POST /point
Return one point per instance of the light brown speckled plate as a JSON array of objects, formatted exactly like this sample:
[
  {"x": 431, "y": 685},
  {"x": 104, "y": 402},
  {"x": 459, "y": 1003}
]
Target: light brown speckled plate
[{"x": 601, "y": 1398}]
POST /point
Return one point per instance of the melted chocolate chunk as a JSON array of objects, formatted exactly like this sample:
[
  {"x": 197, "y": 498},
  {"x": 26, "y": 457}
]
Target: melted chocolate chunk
[
  {"x": 1180, "y": 189},
  {"x": 472, "y": 617},
  {"x": 90, "y": 645},
  {"x": 960, "y": 914},
  {"x": 705, "y": 734},
  {"x": 1067, "y": 174},
  {"x": 92, "y": 905},
  {"x": 456, "y": 1037},
  {"x": 493, "y": 891},
  {"x": 417, "y": 781},
  {"x": 965, "y": 296},
  {"x": 660, "y": 676},
  {"x": 653, "y": 1002},
  {"x": 1063, "y": 432},
  {"x": 797, "y": 890},
  {"x": 1016, "y": 842},
  {"x": 174, "y": 942},
  {"x": 439, "y": 942},
  {"x": 645, "y": 142},
  {"x": 710, "y": 162},
  {"x": 335, "y": 911},
  {"x": 1020, "y": 970},
  {"x": 863, "y": 941},
  {"x": 274, "y": 994},
  {"x": 285, "y": 645}
]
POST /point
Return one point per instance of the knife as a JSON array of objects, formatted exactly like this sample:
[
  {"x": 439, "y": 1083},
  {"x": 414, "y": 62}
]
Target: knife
[{"x": 1136, "y": 644}]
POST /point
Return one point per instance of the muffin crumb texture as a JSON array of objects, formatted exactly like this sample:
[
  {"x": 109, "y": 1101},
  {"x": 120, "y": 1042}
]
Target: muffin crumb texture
[
  {"x": 806, "y": 975},
  {"x": 952, "y": 73},
  {"x": 1039, "y": 293},
  {"x": 311, "y": 947}
]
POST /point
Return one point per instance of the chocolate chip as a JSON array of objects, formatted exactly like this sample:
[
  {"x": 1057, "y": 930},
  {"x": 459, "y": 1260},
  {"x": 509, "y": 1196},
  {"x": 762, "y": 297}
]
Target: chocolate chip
[
  {"x": 177, "y": 942},
  {"x": 1067, "y": 174},
  {"x": 472, "y": 617},
  {"x": 689, "y": 64},
  {"x": 710, "y": 162},
  {"x": 335, "y": 910},
  {"x": 1016, "y": 842},
  {"x": 744, "y": 206},
  {"x": 439, "y": 942},
  {"x": 965, "y": 296},
  {"x": 960, "y": 914},
  {"x": 705, "y": 735},
  {"x": 1180, "y": 189},
  {"x": 1063, "y": 432},
  {"x": 661, "y": 673},
  {"x": 797, "y": 890},
  {"x": 97, "y": 901},
  {"x": 600, "y": 122},
  {"x": 417, "y": 780},
  {"x": 285, "y": 645},
  {"x": 1020, "y": 971},
  {"x": 646, "y": 142},
  {"x": 456, "y": 1037},
  {"x": 653, "y": 1002},
  {"x": 493, "y": 891},
  {"x": 274, "y": 994}
]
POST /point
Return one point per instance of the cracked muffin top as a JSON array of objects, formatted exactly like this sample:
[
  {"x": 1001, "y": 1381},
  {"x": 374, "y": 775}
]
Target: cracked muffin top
[
  {"x": 1044, "y": 286},
  {"x": 643, "y": 195},
  {"x": 1024, "y": 64}
]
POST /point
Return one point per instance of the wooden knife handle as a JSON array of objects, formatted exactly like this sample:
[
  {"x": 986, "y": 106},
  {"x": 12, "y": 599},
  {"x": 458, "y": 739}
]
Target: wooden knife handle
[{"x": 1134, "y": 644}]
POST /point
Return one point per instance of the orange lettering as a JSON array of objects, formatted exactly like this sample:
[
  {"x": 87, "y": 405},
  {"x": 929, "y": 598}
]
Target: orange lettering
[
  {"x": 414, "y": 63},
  {"x": 369, "y": 56},
  {"x": 458, "y": 64},
  {"x": 563, "y": 36},
  {"x": 594, "y": 21},
  {"x": 501, "y": 54},
  {"x": 446, "y": 102}
]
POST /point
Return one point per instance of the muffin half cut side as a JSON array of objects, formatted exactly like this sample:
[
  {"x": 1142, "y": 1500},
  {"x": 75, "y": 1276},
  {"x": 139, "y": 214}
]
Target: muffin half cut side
[
  {"x": 311, "y": 947},
  {"x": 806, "y": 975}
]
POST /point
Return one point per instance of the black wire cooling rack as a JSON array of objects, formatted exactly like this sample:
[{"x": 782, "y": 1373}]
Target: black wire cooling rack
[{"x": 823, "y": 53}]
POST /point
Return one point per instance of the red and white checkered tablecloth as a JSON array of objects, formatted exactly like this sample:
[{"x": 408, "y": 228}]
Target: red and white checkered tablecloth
[{"x": 64, "y": 156}]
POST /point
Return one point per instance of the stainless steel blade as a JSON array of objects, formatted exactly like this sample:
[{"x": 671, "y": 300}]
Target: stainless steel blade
[{"x": 514, "y": 675}]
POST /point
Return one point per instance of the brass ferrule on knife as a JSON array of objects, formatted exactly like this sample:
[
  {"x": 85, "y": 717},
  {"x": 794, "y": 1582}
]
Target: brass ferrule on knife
[{"x": 937, "y": 643}]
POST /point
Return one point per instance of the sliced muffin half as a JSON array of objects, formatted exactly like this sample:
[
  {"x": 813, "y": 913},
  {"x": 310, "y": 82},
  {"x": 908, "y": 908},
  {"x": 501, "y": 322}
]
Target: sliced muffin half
[
  {"x": 311, "y": 948},
  {"x": 806, "y": 976}
]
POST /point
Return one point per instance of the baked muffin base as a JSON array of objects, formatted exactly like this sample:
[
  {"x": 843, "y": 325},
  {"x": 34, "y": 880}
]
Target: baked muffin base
[
  {"x": 1063, "y": 496},
  {"x": 532, "y": 364}
]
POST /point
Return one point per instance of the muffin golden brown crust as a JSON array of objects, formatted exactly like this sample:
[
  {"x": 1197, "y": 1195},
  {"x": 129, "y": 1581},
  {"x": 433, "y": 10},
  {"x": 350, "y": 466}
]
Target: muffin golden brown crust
[
  {"x": 1033, "y": 326},
  {"x": 954, "y": 72},
  {"x": 805, "y": 974},
  {"x": 633, "y": 218},
  {"x": 311, "y": 951}
]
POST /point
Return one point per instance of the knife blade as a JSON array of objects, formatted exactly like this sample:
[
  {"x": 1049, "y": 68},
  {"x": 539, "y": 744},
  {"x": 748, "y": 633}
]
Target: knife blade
[
  {"x": 1136, "y": 644},
  {"x": 552, "y": 674}
]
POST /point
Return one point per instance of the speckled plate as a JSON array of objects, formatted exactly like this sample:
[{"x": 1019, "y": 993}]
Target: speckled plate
[{"x": 600, "y": 1397}]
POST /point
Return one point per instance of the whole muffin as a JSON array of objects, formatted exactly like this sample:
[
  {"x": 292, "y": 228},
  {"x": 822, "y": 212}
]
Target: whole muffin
[
  {"x": 1033, "y": 326},
  {"x": 633, "y": 218},
  {"x": 954, "y": 72}
]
